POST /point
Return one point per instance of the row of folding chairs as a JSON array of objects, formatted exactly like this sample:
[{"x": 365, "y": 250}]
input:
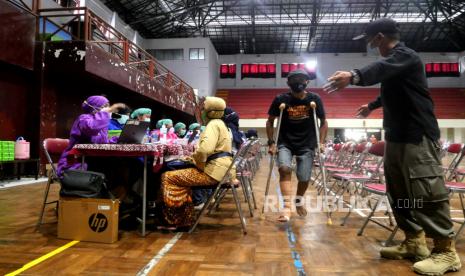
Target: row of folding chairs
[{"x": 357, "y": 169}]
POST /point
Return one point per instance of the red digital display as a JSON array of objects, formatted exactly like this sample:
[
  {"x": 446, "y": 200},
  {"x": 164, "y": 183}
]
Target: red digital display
[
  {"x": 442, "y": 69},
  {"x": 289, "y": 67},
  {"x": 228, "y": 71},
  {"x": 258, "y": 70}
]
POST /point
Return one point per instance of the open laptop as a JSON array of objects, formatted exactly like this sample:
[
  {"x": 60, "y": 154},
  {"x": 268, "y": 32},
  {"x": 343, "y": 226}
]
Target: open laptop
[{"x": 133, "y": 132}]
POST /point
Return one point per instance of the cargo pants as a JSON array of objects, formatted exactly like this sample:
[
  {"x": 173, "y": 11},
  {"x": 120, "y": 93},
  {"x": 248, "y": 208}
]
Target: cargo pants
[{"x": 416, "y": 188}]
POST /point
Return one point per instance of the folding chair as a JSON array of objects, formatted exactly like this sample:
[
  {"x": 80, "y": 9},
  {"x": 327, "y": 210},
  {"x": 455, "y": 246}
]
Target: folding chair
[
  {"x": 223, "y": 186},
  {"x": 359, "y": 178},
  {"x": 459, "y": 188},
  {"x": 455, "y": 172},
  {"x": 379, "y": 190},
  {"x": 455, "y": 150},
  {"x": 53, "y": 148}
]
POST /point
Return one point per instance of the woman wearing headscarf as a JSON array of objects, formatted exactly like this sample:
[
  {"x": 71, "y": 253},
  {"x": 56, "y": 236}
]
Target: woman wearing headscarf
[
  {"x": 212, "y": 159},
  {"x": 231, "y": 119},
  {"x": 91, "y": 127},
  {"x": 180, "y": 129},
  {"x": 142, "y": 114}
]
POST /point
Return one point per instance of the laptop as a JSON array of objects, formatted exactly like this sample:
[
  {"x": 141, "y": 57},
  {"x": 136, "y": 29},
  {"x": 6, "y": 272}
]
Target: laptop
[{"x": 133, "y": 132}]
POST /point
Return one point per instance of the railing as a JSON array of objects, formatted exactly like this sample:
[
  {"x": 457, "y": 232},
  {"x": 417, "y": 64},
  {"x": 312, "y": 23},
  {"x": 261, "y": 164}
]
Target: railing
[
  {"x": 81, "y": 24},
  {"x": 22, "y": 5}
]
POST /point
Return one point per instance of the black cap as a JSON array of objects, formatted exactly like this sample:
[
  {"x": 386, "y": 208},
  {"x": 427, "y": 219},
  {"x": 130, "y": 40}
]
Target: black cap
[
  {"x": 309, "y": 76},
  {"x": 382, "y": 25}
]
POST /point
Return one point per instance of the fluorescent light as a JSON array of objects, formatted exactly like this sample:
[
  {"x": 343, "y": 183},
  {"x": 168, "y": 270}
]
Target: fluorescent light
[{"x": 311, "y": 65}]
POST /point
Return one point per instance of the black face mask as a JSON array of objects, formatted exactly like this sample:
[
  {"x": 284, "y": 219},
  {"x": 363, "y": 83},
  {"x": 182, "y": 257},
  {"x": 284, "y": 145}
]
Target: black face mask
[{"x": 297, "y": 87}]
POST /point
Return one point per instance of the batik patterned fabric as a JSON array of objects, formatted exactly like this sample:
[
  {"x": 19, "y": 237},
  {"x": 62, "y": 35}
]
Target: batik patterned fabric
[
  {"x": 176, "y": 190},
  {"x": 160, "y": 152}
]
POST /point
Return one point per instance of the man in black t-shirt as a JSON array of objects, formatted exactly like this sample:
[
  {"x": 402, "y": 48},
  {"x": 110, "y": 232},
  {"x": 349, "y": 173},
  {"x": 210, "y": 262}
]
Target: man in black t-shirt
[
  {"x": 412, "y": 164},
  {"x": 297, "y": 137}
]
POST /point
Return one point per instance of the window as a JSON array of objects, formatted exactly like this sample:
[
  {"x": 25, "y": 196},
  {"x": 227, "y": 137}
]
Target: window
[
  {"x": 258, "y": 70},
  {"x": 167, "y": 54},
  {"x": 444, "y": 69},
  {"x": 228, "y": 71},
  {"x": 196, "y": 53},
  {"x": 289, "y": 67}
]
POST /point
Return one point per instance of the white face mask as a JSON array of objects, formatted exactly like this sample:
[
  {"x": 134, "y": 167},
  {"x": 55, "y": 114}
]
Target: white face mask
[
  {"x": 372, "y": 51},
  {"x": 123, "y": 119},
  {"x": 147, "y": 120}
]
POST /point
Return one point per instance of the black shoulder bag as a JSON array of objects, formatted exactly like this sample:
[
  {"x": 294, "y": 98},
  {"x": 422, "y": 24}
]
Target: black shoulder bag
[{"x": 87, "y": 184}]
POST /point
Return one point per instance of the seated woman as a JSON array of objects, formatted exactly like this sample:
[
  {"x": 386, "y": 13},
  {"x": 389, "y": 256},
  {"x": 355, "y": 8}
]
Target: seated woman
[
  {"x": 180, "y": 129},
  {"x": 91, "y": 127},
  {"x": 231, "y": 119},
  {"x": 142, "y": 114},
  {"x": 212, "y": 159},
  {"x": 119, "y": 117},
  {"x": 193, "y": 127}
]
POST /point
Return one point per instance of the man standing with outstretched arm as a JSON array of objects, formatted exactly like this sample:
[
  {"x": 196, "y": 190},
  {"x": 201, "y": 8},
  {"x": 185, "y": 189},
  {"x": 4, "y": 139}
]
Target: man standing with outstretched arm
[
  {"x": 412, "y": 166},
  {"x": 297, "y": 137}
]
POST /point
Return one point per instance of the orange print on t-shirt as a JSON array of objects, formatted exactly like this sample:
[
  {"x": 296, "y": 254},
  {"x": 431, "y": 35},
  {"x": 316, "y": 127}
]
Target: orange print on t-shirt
[{"x": 298, "y": 112}]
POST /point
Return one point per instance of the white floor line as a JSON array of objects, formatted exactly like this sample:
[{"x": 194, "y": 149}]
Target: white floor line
[
  {"x": 22, "y": 182},
  {"x": 153, "y": 262}
]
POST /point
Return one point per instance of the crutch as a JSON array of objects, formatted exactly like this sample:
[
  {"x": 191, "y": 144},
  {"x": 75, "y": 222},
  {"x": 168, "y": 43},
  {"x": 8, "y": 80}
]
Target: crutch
[
  {"x": 276, "y": 136},
  {"x": 322, "y": 164}
]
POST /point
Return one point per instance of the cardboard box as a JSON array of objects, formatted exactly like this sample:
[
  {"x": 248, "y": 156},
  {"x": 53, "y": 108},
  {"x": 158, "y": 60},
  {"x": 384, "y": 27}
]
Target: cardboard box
[{"x": 88, "y": 219}]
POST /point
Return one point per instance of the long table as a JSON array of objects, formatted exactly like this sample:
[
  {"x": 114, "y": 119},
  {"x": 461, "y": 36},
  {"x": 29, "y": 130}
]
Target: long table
[{"x": 160, "y": 152}]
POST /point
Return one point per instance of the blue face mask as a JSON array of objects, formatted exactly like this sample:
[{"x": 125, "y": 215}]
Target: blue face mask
[{"x": 123, "y": 119}]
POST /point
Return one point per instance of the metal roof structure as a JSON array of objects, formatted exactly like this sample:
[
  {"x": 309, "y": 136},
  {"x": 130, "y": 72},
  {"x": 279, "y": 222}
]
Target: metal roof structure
[{"x": 295, "y": 26}]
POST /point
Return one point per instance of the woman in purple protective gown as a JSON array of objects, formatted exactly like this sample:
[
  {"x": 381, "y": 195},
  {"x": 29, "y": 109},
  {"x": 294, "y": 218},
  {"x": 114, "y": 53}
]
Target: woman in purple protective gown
[{"x": 91, "y": 127}]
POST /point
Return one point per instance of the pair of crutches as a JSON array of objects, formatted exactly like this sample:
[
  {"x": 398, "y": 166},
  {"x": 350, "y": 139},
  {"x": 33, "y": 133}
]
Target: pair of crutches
[{"x": 320, "y": 156}]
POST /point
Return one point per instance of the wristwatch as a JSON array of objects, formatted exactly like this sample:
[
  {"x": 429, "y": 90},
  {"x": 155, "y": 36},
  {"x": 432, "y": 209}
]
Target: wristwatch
[
  {"x": 270, "y": 142},
  {"x": 355, "y": 77}
]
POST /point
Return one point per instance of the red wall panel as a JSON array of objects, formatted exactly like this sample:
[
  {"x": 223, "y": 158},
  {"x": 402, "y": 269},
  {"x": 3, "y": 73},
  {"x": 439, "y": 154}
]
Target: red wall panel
[{"x": 254, "y": 103}]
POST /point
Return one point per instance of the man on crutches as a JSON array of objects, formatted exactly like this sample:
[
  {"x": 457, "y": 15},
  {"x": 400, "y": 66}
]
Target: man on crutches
[{"x": 296, "y": 137}]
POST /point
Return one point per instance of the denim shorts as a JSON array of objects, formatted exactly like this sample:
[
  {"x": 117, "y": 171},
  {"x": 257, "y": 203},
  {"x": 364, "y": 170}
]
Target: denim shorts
[{"x": 304, "y": 158}]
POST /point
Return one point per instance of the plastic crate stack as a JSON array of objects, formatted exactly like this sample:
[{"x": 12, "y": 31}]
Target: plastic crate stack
[{"x": 7, "y": 150}]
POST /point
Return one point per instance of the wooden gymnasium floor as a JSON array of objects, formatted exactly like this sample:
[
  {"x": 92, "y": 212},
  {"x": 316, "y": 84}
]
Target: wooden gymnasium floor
[{"x": 218, "y": 247}]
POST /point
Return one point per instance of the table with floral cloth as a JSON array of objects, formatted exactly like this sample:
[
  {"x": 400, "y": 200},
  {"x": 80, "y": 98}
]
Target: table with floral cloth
[{"x": 160, "y": 152}]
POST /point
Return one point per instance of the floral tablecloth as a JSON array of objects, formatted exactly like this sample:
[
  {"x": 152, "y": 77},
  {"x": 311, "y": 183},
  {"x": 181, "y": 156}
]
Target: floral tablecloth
[{"x": 160, "y": 152}]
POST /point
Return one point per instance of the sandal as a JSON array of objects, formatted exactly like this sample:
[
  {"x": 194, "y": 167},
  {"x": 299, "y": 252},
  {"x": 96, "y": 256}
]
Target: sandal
[{"x": 285, "y": 215}]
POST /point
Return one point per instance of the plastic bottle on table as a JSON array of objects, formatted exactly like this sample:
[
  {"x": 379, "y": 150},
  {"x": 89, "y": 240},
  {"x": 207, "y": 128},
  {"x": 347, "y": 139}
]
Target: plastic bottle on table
[
  {"x": 146, "y": 139},
  {"x": 163, "y": 134},
  {"x": 155, "y": 136}
]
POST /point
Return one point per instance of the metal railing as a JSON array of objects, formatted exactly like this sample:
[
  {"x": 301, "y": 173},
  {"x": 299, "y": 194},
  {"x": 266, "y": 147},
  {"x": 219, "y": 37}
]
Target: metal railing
[{"x": 81, "y": 24}]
